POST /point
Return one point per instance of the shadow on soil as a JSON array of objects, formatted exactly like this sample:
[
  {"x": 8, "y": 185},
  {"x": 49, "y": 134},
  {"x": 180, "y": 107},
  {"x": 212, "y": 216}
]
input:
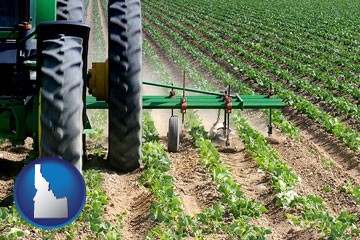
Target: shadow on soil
[{"x": 99, "y": 162}]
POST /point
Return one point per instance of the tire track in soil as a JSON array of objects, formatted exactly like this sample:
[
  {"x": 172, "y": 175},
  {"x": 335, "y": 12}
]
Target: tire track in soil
[
  {"x": 192, "y": 182},
  {"x": 126, "y": 195},
  {"x": 124, "y": 192}
]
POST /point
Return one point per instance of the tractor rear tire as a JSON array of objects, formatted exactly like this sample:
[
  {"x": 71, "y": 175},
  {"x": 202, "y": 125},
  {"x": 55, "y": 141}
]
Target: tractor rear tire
[
  {"x": 61, "y": 103},
  {"x": 71, "y": 10},
  {"x": 125, "y": 97},
  {"x": 174, "y": 134},
  {"x": 74, "y": 10}
]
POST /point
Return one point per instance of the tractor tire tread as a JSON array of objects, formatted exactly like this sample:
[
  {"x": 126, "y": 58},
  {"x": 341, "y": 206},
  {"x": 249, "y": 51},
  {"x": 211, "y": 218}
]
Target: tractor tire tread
[
  {"x": 61, "y": 99},
  {"x": 71, "y": 10},
  {"x": 125, "y": 84},
  {"x": 173, "y": 134}
]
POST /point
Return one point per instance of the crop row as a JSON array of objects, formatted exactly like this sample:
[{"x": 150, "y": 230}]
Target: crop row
[
  {"x": 99, "y": 41},
  {"x": 166, "y": 208},
  {"x": 348, "y": 136},
  {"x": 258, "y": 31},
  {"x": 340, "y": 104},
  {"x": 312, "y": 18},
  {"x": 282, "y": 177},
  {"x": 353, "y": 190},
  {"x": 275, "y": 53},
  {"x": 233, "y": 201},
  {"x": 86, "y": 3},
  {"x": 343, "y": 48},
  {"x": 313, "y": 213},
  {"x": 104, "y": 5}
]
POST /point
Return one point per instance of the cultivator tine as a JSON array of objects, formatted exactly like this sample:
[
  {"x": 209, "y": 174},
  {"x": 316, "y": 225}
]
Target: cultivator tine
[
  {"x": 172, "y": 95},
  {"x": 227, "y": 99},
  {"x": 183, "y": 99},
  {"x": 270, "y": 126}
]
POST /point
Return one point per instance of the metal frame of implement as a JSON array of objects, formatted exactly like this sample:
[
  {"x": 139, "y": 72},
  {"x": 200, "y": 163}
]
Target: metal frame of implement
[{"x": 210, "y": 100}]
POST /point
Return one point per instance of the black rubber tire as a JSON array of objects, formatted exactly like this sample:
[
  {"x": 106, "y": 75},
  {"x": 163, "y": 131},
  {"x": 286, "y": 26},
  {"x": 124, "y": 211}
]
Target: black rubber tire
[
  {"x": 61, "y": 103},
  {"x": 71, "y": 10},
  {"x": 174, "y": 134},
  {"x": 125, "y": 97},
  {"x": 74, "y": 10}
]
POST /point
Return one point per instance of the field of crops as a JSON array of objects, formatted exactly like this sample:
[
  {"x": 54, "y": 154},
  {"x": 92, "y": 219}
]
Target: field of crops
[
  {"x": 309, "y": 52},
  {"x": 303, "y": 183}
]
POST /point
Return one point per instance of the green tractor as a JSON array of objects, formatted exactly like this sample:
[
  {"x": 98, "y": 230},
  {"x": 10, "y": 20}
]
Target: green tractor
[
  {"x": 43, "y": 52},
  {"x": 44, "y": 77}
]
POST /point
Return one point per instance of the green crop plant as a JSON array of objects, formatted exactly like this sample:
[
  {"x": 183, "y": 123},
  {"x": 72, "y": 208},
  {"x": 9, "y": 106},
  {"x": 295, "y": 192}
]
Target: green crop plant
[
  {"x": 314, "y": 213},
  {"x": 149, "y": 131},
  {"x": 231, "y": 194},
  {"x": 104, "y": 5},
  {"x": 98, "y": 120},
  {"x": 327, "y": 163},
  {"x": 99, "y": 38},
  {"x": 326, "y": 189},
  {"x": 353, "y": 190},
  {"x": 232, "y": 197}
]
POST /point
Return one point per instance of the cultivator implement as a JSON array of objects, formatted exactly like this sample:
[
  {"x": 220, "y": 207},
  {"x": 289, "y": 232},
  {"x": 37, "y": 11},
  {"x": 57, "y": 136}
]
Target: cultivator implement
[{"x": 203, "y": 100}]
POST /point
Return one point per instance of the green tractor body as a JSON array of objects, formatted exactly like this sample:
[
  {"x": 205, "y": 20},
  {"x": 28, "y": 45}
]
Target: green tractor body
[
  {"x": 19, "y": 86},
  {"x": 27, "y": 29}
]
